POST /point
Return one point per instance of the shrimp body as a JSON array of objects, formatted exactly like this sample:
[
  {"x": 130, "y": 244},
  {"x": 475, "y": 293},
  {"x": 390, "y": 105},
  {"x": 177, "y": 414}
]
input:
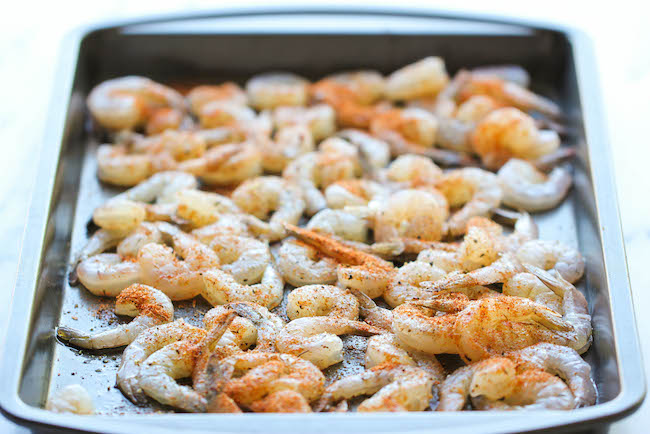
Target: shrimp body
[
  {"x": 553, "y": 255},
  {"x": 387, "y": 348},
  {"x": 107, "y": 274},
  {"x": 478, "y": 191},
  {"x": 315, "y": 338},
  {"x": 229, "y": 164},
  {"x": 270, "y": 195},
  {"x": 414, "y": 170},
  {"x": 199, "y": 96},
  {"x": 405, "y": 284},
  {"x": 149, "y": 306},
  {"x": 115, "y": 166},
  {"x": 394, "y": 388},
  {"x": 202, "y": 208},
  {"x": 320, "y": 119},
  {"x": 144, "y": 234},
  {"x": 245, "y": 258},
  {"x": 274, "y": 89},
  {"x": 221, "y": 287},
  {"x": 425, "y": 77},
  {"x": 148, "y": 342},
  {"x": 524, "y": 187},
  {"x": 420, "y": 328},
  {"x": 73, "y": 398},
  {"x": 354, "y": 192},
  {"x": 126, "y": 102},
  {"x": 290, "y": 142},
  {"x": 301, "y": 264},
  {"x": 527, "y": 285},
  {"x": 322, "y": 300},
  {"x": 268, "y": 324},
  {"x": 340, "y": 223},
  {"x": 374, "y": 153}
]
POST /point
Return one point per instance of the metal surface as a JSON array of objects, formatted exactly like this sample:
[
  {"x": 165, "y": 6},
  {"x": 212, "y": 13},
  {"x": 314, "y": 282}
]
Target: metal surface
[{"x": 235, "y": 45}]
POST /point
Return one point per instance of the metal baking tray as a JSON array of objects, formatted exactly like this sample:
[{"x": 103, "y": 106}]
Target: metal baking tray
[{"x": 235, "y": 44}]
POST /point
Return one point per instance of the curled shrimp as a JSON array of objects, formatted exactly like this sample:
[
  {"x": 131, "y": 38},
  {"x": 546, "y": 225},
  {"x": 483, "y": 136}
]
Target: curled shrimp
[
  {"x": 126, "y": 102},
  {"x": 508, "y": 132},
  {"x": 353, "y": 108},
  {"x": 354, "y": 192},
  {"x": 199, "y": 96},
  {"x": 225, "y": 224},
  {"x": 245, "y": 258},
  {"x": 73, "y": 398},
  {"x": 221, "y": 287},
  {"x": 374, "y": 153},
  {"x": 289, "y": 143},
  {"x": 360, "y": 270},
  {"x": 553, "y": 255},
  {"x": 394, "y": 388},
  {"x": 526, "y": 188},
  {"x": 116, "y": 166},
  {"x": 148, "y": 342},
  {"x": 270, "y": 195},
  {"x": 252, "y": 380},
  {"x": 201, "y": 208},
  {"x": 413, "y": 170},
  {"x": 223, "y": 113},
  {"x": 527, "y": 285},
  {"x": 302, "y": 264},
  {"x": 371, "y": 313},
  {"x": 340, "y": 223},
  {"x": 107, "y": 274},
  {"x": 149, "y": 306},
  {"x": 320, "y": 119},
  {"x": 144, "y": 234},
  {"x": 423, "y": 78},
  {"x": 405, "y": 284},
  {"x": 315, "y": 338},
  {"x": 158, "y": 373},
  {"x": 268, "y": 324},
  {"x": 322, "y": 300},
  {"x": 477, "y": 190},
  {"x": 274, "y": 89},
  {"x": 179, "y": 279},
  {"x": 177, "y": 145},
  {"x": 229, "y": 164},
  {"x": 496, "y": 384}
]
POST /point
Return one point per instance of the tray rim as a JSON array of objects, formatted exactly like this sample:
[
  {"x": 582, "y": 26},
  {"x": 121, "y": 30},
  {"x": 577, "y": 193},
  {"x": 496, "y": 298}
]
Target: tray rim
[{"x": 625, "y": 332}]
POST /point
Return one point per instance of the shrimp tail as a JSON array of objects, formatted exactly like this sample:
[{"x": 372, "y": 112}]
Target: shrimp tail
[{"x": 71, "y": 335}]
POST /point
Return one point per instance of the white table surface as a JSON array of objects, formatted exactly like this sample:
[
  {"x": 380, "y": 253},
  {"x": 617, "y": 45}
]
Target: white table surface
[{"x": 31, "y": 32}]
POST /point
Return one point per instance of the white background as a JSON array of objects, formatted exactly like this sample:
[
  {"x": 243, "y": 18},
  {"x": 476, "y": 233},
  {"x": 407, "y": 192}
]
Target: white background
[{"x": 31, "y": 33}]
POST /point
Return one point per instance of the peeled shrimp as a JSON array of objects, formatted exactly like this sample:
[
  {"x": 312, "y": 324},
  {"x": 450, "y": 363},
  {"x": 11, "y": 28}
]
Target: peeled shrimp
[
  {"x": 148, "y": 342},
  {"x": 73, "y": 398},
  {"x": 508, "y": 132},
  {"x": 524, "y": 187},
  {"x": 301, "y": 264},
  {"x": 477, "y": 190},
  {"x": 149, "y": 306},
  {"x": 228, "y": 164},
  {"x": 315, "y": 338},
  {"x": 374, "y": 153},
  {"x": 221, "y": 287},
  {"x": 527, "y": 285},
  {"x": 273, "y": 89},
  {"x": 341, "y": 224},
  {"x": 245, "y": 379},
  {"x": 320, "y": 119},
  {"x": 245, "y": 258},
  {"x": 404, "y": 285},
  {"x": 116, "y": 166},
  {"x": 270, "y": 195},
  {"x": 201, "y": 208},
  {"x": 223, "y": 113},
  {"x": 322, "y": 300},
  {"x": 387, "y": 348},
  {"x": 144, "y": 234},
  {"x": 354, "y": 192},
  {"x": 553, "y": 255},
  {"x": 226, "y": 224},
  {"x": 425, "y": 77},
  {"x": 199, "y": 96},
  {"x": 394, "y": 388},
  {"x": 268, "y": 324},
  {"x": 360, "y": 270},
  {"x": 107, "y": 274},
  {"x": 289, "y": 143},
  {"x": 126, "y": 102},
  {"x": 365, "y": 86},
  {"x": 414, "y": 170},
  {"x": 179, "y": 279}
]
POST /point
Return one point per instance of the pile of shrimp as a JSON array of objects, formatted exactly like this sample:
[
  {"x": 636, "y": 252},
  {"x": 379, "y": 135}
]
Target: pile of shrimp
[{"x": 359, "y": 204}]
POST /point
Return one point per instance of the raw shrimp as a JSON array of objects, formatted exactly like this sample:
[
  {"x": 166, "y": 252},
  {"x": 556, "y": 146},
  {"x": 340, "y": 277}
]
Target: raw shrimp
[
  {"x": 553, "y": 255},
  {"x": 160, "y": 188},
  {"x": 413, "y": 170},
  {"x": 524, "y": 187},
  {"x": 512, "y": 73},
  {"x": 270, "y": 194},
  {"x": 245, "y": 258},
  {"x": 374, "y": 153},
  {"x": 371, "y": 313},
  {"x": 387, "y": 348},
  {"x": 179, "y": 145},
  {"x": 199, "y": 96},
  {"x": 363, "y": 271},
  {"x": 158, "y": 373},
  {"x": 352, "y": 108},
  {"x": 268, "y": 324},
  {"x": 477, "y": 190},
  {"x": 107, "y": 274},
  {"x": 322, "y": 300},
  {"x": 248, "y": 378},
  {"x": 282, "y": 401},
  {"x": 119, "y": 215},
  {"x": 411, "y": 214},
  {"x": 144, "y": 234},
  {"x": 320, "y": 119},
  {"x": 226, "y": 224},
  {"x": 475, "y": 108},
  {"x": 149, "y": 306},
  {"x": 315, "y": 338},
  {"x": 508, "y": 132},
  {"x": 274, "y": 89},
  {"x": 230, "y": 164},
  {"x": 340, "y": 223},
  {"x": 99, "y": 242},
  {"x": 223, "y": 113},
  {"x": 301, "y": 264},
  {"x": 126, "y": 102},
  {"x": 179, "y": 279},
  {"x": 498, "y": 272},
  {"x": 116, "y": 166},
  {"x": 202, "y": 208},
  {"x": 221, "y": 287},
  {"x": 394, "y": 388},
  {"x": 366, "y": 86},
  {"x": 423, "y": 78},
  {"x": 496, "y": 384},
  {"x": 354, "y": 192},
  {"x": 290, "y": 142},
  {"x": 148, "y": 342},
  {"x": 527, "y": 285},
  {"x": 73, "y": 398},
  {"x": 405, "y": 284}
]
